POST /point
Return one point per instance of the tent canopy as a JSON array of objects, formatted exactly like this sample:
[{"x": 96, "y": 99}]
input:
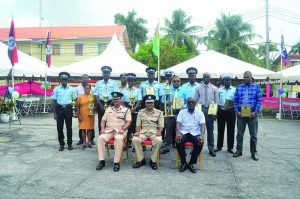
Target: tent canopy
[
  {"x": 27, "y": 65},
  {"x": 114, "y": 56},
  {"x": 217, "y": 63},
  {"x": 291, "y": 73}
]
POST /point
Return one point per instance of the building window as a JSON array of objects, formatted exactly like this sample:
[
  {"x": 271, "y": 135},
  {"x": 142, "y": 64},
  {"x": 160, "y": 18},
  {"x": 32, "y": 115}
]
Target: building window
[
  {"x": 55, "y": 49},
  {"x": 79, "y": 49},
  {"x": 101, "y": 48}
]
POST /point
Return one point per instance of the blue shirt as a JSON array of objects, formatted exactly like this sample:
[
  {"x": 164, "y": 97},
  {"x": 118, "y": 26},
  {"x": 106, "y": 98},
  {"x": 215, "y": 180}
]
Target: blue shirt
[
  {"x": 102, "y": 88},
  {"x": 248, "y": 94},
  {"x": 181, "y": 95},
  {"x": 131, "y": 91},
  {"x": 63, "y": 96},
  {"x": 158, "y": 90},
  {"x": 225, "y": 94},
  {"x": 190, "y": 122},
  {"x": 191, "y": 89}
]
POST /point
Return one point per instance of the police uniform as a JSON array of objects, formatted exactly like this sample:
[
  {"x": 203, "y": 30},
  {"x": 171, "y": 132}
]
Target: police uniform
[
  {"x": 62, "y": 97},
  {"x": 115, "y": 120},
  {"x": 149, "y": 123},
  {"x": 102, "y": 89},
  {"x": 191, "y": 88},
  {"x": 153, "y": 88},
  {"x": 123, "y": 88}
]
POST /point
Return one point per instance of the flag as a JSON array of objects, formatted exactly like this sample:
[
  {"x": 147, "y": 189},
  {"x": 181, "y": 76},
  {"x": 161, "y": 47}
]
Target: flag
[
  {"x": 284, "y": 55},
  {"x": 155, "y": 47},
  {"x": 48, "y": 50},
  {"x": 12, "y": 47}
]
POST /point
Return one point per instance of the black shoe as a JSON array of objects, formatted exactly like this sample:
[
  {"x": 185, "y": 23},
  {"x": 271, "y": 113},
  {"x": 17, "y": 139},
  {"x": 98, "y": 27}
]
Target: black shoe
[
  {"x": 230, "y": 151},
  {"x": 153, "y": 165},
  {"x": 192, "y": 168},
  {"x": 212, "y": 153},
  {"x": 164, "y": 150},
  {"x": 217, "y": 149},
  {"x": 100, "y": 165},
  {"x": 70, "y": 147},
  {"x": 116, "y": 167},
  {"x": 92, "y": 142},
  {"x": 139, "y": 164},
  {"x": 144, "y": 148},
  {"x": 112, "y": 146},
  {"x": 83, "y": 146},
  {"x": 79, "y": 142},
  {"x": 61, "y": 148},
  {"x": 133, "y": 150},
  {"x": 237, "y": 154},
  {"x": 89, "y": 145},
  {"x": 182, "y": 167},
  {"x": 174, "y": 146},
  {"x": 254, "y": 156}
]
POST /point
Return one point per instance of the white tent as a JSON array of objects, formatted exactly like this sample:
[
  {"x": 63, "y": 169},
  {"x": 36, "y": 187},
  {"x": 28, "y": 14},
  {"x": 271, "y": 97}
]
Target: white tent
[
  {"x": 291, "y": 73},
  {"x": 26, "y": 66},
  {"x": 114, "y": 56},
  {"x": 217, "y": 63}
]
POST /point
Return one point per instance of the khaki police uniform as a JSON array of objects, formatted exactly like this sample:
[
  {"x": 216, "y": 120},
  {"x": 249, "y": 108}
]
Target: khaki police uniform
[{"x": 149, "y": 123}]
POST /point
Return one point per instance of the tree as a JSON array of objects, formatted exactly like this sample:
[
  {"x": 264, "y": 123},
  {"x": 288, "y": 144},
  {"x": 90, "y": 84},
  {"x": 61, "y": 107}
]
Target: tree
[
  {"x": 295, "y": 49},
  {"x": 179, "y": 31},
  {"x": 261, "y": 53},
  {"x": 136, "y": 30},
  {"x": 170, "y": 54},
  {"x": 230, "y": 37}
]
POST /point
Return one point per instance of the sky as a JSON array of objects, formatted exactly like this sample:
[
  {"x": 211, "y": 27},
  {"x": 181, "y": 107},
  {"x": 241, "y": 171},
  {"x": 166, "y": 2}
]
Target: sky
[{"x": 284, "y": 17}]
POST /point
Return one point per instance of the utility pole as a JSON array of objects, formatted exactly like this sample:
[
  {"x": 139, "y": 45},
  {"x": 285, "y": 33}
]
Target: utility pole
[
  {"x": 267, "y": 36},
  {"x": 41, "y": 12}
]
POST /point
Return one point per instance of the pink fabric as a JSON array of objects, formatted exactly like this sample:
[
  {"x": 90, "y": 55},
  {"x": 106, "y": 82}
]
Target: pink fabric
[
  {"x": 268, "y": 90},
  {"x": 111, "y": 141},
  {"x": 274, "y": 101},
  {"x": 188, "y": 144},
  {"x": 25, "y": 89},
  {"x": 147, "y": 142}
]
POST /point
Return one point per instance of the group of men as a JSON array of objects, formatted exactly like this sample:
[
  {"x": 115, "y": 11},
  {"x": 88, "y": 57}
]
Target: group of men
[{"x": 169, "y": 114}]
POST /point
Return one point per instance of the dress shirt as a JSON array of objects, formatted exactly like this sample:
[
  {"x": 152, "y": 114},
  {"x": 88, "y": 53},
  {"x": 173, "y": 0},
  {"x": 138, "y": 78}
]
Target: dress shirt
[
  {"x": 212, "y": 93},
  {"x": 158, "y": 90},
  {"x": 103, "y": 88},
  {"x": 225, "y": 94},
  {"x": 190, "y": 89},
  {"x": 191, "y": 122},
  {"x": 62, "y": 95}
]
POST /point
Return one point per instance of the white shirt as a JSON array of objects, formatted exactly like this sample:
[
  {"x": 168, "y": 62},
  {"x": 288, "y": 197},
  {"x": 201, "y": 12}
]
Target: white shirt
[{"x": 190, "y": 122}]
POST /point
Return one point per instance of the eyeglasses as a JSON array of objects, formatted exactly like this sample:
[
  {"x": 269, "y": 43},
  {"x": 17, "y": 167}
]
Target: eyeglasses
[
  {"x": 175, "y": 81},
  {"x": 191, "y": 102}
]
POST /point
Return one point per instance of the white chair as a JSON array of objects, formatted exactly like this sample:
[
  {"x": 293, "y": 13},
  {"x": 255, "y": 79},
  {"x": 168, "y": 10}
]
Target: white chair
[
  {"x": 286, "y": 109},
  {"x": 26, "y": 108}
]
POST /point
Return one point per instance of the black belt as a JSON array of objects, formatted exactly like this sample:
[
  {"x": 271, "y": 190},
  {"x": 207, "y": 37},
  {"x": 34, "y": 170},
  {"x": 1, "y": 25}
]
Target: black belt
[{"x": 64, "y": 106}]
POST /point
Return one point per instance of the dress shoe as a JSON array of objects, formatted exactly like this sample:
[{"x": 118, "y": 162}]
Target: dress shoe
[
  {"x": 92, "y": 142},
  {"x": 89, "y": 145},
  {"x": 144, "y": 148},
  {"x": 217, "y": 149},
  {"x": 153, "y": 165},
  {"x": 70, "y": 147},
  {"x": 133, "y": 150},
  {"x": 61, "y": 148},
  {"x": 212, "y": 153},
  {"x": 164, "y": 150},
  {"x": 116, "y": 167},
  {"x": 139, "y": 164},
  {"x": 100, "y": 165},
  {"x": 237, "y": 154},
  {"x": 182, "y": 167},
  {"x": 192, "y": 168},
  {"x": 254, "y": 156},
  {"x": 83, "y": 146},
  {"x": 230, "y": 151},
  {"x": 79, "y": 142}
]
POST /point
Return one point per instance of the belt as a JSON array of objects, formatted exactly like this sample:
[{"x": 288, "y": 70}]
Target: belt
[{"x": 64, "y": 106}]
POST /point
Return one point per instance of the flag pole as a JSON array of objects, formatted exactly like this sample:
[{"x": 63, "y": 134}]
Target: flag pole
[
  {"x": 280, "y": 97},
  {"x": 158, "y": 56}
]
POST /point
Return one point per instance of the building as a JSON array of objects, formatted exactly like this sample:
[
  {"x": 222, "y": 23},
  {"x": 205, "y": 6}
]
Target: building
[
  {"x": 69, "y": 43},
  {"x": 293, "y": 58}
]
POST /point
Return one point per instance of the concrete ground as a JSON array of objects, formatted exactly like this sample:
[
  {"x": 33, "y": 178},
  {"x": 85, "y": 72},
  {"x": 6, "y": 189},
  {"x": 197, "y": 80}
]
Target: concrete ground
[{"x": 32, "y": 167}]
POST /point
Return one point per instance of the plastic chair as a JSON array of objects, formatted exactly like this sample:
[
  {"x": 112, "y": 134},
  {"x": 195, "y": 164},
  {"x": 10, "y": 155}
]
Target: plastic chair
[{"x": 189, "y": 145}]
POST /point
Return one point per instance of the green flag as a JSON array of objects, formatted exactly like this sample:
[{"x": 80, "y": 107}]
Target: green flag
[{"x": 155, "y": 47}]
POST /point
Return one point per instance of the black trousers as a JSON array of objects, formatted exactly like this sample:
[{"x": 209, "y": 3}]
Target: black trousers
[
  {"x": 101, "y": 113},
  {"x": 64, "y": 115},
  {"x": 209, "y": 121},
  {"x": 197, "y": 148},
  {"x": 229, "y": 118},
  {"x": 170, "y": 130}
]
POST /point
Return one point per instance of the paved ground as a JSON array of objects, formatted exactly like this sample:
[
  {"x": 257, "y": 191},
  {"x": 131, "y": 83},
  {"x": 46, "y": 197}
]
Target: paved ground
[{"x": 32, "y": 167}]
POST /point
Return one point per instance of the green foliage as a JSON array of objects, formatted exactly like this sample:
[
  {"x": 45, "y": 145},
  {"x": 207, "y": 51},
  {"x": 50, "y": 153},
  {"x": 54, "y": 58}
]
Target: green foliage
[
  {"x": 170, "y": 54},
  {"x": 295, "y": 48}
]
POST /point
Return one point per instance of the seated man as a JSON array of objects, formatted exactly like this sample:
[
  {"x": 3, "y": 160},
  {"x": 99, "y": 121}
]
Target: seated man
[
  {"x": 114, "y": 124},
  {"x": 149, "y": 125},
  {"x": 190, "y": 127}
]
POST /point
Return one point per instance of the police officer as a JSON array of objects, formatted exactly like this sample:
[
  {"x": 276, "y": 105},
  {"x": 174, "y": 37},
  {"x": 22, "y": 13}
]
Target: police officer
[
  {"x": 103, "y": 89},
  {"x": 149, "y": 125},
  {"x": 151, "y": 87},
  {"x": 192, "y": 84},
  {"x": 62, "y": 97},
  {"x": 123, "y": 82},
  {"x": 114, "y": 124}
]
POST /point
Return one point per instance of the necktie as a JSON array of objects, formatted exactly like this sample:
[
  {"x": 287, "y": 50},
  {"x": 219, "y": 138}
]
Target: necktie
[
  {"x": 206, "y": 101},
  {"x": 175, "y": 99}
]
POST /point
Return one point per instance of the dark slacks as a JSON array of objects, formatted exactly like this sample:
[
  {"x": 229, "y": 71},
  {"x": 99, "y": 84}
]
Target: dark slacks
[
  {"x": 170, "y": 131},
  {"x": 196, "y": 148},
  {"x": 229, "y": 118},
  {"x": 64, "y": 115},
  {"x": 209, "y": 121},
  {"x": 101, "y": 113},
  {"x": 241, "y": 126}
]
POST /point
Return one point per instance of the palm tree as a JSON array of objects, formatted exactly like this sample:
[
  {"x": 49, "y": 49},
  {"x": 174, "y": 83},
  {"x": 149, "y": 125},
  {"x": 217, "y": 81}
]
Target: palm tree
[
  {"x": 179, "y": 31},
  {"x": 230, "y": 37},
  {"x": 135, "y": 27}
]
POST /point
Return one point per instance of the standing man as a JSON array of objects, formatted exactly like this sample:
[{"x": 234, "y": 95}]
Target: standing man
[
  {"x": 151, "y": 87},
  {"x": 149, "y": 125},
  {"x": 191, "y": 86},
  {"x": 103, "y": 89},
  {"x": 190, "y": 128},
  {"x": 123, "y": 83},
  {"x": 226, "y": 113},
  {"x": 114, "y": 124},
  {"x": 62, "y": 97},
  {"x": 205, "y": 95},
  {"x": 248, "y": 95},
  {"x": 79, "y": 90}
]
